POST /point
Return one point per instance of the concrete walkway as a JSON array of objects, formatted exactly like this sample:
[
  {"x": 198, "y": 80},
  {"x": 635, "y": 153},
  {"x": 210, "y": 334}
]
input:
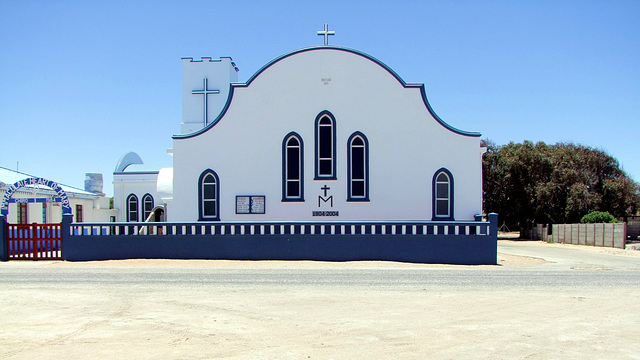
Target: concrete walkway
[{"x": 563, "y": 256}]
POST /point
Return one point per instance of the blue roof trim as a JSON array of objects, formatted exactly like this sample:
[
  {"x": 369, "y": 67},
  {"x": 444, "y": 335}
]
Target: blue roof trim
[
  {"x": 215, "y": 121},
  {"x": 330, "y": 47}
]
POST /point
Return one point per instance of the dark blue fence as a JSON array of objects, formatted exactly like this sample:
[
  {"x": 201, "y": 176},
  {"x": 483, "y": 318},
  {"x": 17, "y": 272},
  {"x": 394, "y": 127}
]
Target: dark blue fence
[
  {"x": 423, "y": 242},
  {"x": 456, "y": 242}
]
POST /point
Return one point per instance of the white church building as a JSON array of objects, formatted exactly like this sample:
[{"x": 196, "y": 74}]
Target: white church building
[{"x": 324, "y": 133}]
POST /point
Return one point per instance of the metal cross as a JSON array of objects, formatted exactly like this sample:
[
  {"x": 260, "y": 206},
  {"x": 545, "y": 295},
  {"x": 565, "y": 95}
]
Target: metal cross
[
  {"x": 205, "y": 91},
  {"x": 326, "y": 34}
]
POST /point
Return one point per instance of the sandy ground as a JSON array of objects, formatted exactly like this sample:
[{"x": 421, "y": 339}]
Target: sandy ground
[
  {"x": 75, "y": 320},
  {"x": 504, "y": 260}
]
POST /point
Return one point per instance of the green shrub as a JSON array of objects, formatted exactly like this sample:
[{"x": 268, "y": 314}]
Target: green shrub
[{"x": 597, "y": 217}]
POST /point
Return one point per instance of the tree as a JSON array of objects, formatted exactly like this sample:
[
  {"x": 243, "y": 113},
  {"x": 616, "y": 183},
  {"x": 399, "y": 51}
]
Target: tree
[
  {"x": 538, "y": 183},
  {"x": 597, "y": 217}
]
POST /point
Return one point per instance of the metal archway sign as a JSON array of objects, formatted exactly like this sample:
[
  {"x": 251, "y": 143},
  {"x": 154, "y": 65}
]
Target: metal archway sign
[{"x": 64, "y": 199}]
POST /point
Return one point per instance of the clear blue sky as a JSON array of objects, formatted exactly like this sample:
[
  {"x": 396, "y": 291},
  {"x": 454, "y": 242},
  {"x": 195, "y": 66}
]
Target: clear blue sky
[{"x": 83, "y": 82}]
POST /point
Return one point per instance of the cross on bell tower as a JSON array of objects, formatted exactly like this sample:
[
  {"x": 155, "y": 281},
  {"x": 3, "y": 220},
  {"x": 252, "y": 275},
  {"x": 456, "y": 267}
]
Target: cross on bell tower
[
  {"x": 326, "y": 33},
  {"x": 206, "y": 92}
]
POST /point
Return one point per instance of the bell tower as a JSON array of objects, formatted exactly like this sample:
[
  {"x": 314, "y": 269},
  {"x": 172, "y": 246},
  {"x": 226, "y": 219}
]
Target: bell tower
[{"x": 205, "y": 90}]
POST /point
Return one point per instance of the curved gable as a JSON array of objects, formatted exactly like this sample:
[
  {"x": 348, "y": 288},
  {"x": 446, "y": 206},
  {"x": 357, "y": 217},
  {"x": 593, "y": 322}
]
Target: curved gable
[{"x": 278, "y": 60}]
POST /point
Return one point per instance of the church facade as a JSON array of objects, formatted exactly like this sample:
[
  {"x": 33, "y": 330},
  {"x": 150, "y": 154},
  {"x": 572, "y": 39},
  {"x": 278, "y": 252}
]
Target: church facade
[
  {"x": 325, "y": 153},
  {"x": 319, "y": 134}
]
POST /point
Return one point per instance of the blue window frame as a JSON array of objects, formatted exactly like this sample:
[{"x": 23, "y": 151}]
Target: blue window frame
[
  {"x": 358, "y": 167},
  {"x": 147, "y": 206},
  {"x": 132, "y": 208},
  {"x": 209, "y": 196},
  {"x": 442, "y": 195},
  {"x": 325, "y": 146},
  {"x": 292, "y": 168}
]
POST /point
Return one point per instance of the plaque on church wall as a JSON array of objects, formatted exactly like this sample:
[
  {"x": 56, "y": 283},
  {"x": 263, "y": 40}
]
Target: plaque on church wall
[
  {"x": 246, "y": 204},
  {"x": 243, "y": 204},
  {"x": 257, "y": 204}
]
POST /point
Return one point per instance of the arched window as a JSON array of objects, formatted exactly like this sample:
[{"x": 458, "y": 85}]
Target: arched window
[
  {"x": 147, "y": 206},
  {"x": 209, "y": 194},
  {"x": 358, "y": 168},
  {"x": 325, "y": 146},
  {"x": 132, "y": 208},
  {"x": 442, "y": 186},
  {"x": 292, "y": 168}
]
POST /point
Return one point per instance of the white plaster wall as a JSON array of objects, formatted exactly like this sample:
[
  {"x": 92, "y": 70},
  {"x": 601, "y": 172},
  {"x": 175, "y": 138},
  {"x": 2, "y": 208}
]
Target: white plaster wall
[
  {"x": 219, "y": 73},
  {"x": 87, "y": 209},
  {"x": 139, "y": 184},
  {"x": 407, "y": 145},
  {"x": 93, "y": 208}
]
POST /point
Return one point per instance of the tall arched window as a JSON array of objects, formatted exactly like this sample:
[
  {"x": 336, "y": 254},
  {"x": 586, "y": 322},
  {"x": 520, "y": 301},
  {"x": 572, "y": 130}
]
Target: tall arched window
[
  {"x": 358, "y": 168},
  {"x": 292, "y": 168},
  {"x": 442, "y": 190},
  {"x": 209, "y": 195},
  {"x": 132, "y": 208},
  {"x": 325, "y": 146},
  {"x": 147, "y": 206}
]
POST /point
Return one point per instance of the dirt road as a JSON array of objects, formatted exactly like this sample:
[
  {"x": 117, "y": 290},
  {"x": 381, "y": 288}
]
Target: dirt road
[{"x": 309, "y": 310}]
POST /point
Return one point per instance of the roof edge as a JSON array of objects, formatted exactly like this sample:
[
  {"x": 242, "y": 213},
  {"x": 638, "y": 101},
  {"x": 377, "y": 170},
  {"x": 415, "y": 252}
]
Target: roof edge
[{"x": 327, "y": 47}]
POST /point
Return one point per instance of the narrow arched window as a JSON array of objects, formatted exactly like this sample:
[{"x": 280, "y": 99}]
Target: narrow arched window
[
  {"x": 209, "y": 194},
  {"x": 358, "y": 168},
  {"x": 132, "y": 208},
  {"x": 292, "y": 168},
  {"x": 147, "y": 206},
  {"x": 325, "y": 146},
  {"x": 442, "y": 195}
]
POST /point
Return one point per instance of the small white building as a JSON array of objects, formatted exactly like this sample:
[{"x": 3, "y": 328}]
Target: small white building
[
  {"x": 135, "y": 190},
  {"x": 41, "y": 205},
  {"x": 319, "y": 134}
]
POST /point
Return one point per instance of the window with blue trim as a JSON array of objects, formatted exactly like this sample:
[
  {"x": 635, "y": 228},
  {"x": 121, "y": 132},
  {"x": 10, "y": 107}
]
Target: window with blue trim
[
  {"x": 442, "y": 195},
  {"x": 147, "y": 206},
  {"x": 132, "y": 208},
  {"x": 292, "y": 168},
  {"x": 325, "y": 146},
  {"x": 358, "y": 168},
  {"x": 209, "y": 193}
]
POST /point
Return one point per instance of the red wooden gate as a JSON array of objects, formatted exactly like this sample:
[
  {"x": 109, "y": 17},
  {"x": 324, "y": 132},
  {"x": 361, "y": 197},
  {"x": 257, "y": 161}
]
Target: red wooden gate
[{"x": 34, "y": 242}]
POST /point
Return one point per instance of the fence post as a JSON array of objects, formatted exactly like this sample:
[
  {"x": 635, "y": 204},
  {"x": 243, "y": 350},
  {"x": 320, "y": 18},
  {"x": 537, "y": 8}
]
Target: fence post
[
  {"x": 493, "y": 236},
  {"x": 476, "y": 230},
  {"x": 65, "y": 231},
  {"x": 493, "y": 227},
  {"x": 3, "y": 238}
]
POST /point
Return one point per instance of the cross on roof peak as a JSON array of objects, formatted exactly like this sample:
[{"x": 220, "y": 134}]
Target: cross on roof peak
[{"x": 326, "y": 33}]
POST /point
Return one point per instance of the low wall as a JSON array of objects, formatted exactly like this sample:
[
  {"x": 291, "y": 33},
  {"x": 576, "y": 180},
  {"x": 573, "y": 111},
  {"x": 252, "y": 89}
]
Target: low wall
[
  {"x": 633, "y": 229},
  {"x": 540, "y": 232},
  {"x": 468, "y": 243},
  {"x": 471, "y": 250},
  {"x": 604, "y": 235},
  {"x": 4, "y": 246}
]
